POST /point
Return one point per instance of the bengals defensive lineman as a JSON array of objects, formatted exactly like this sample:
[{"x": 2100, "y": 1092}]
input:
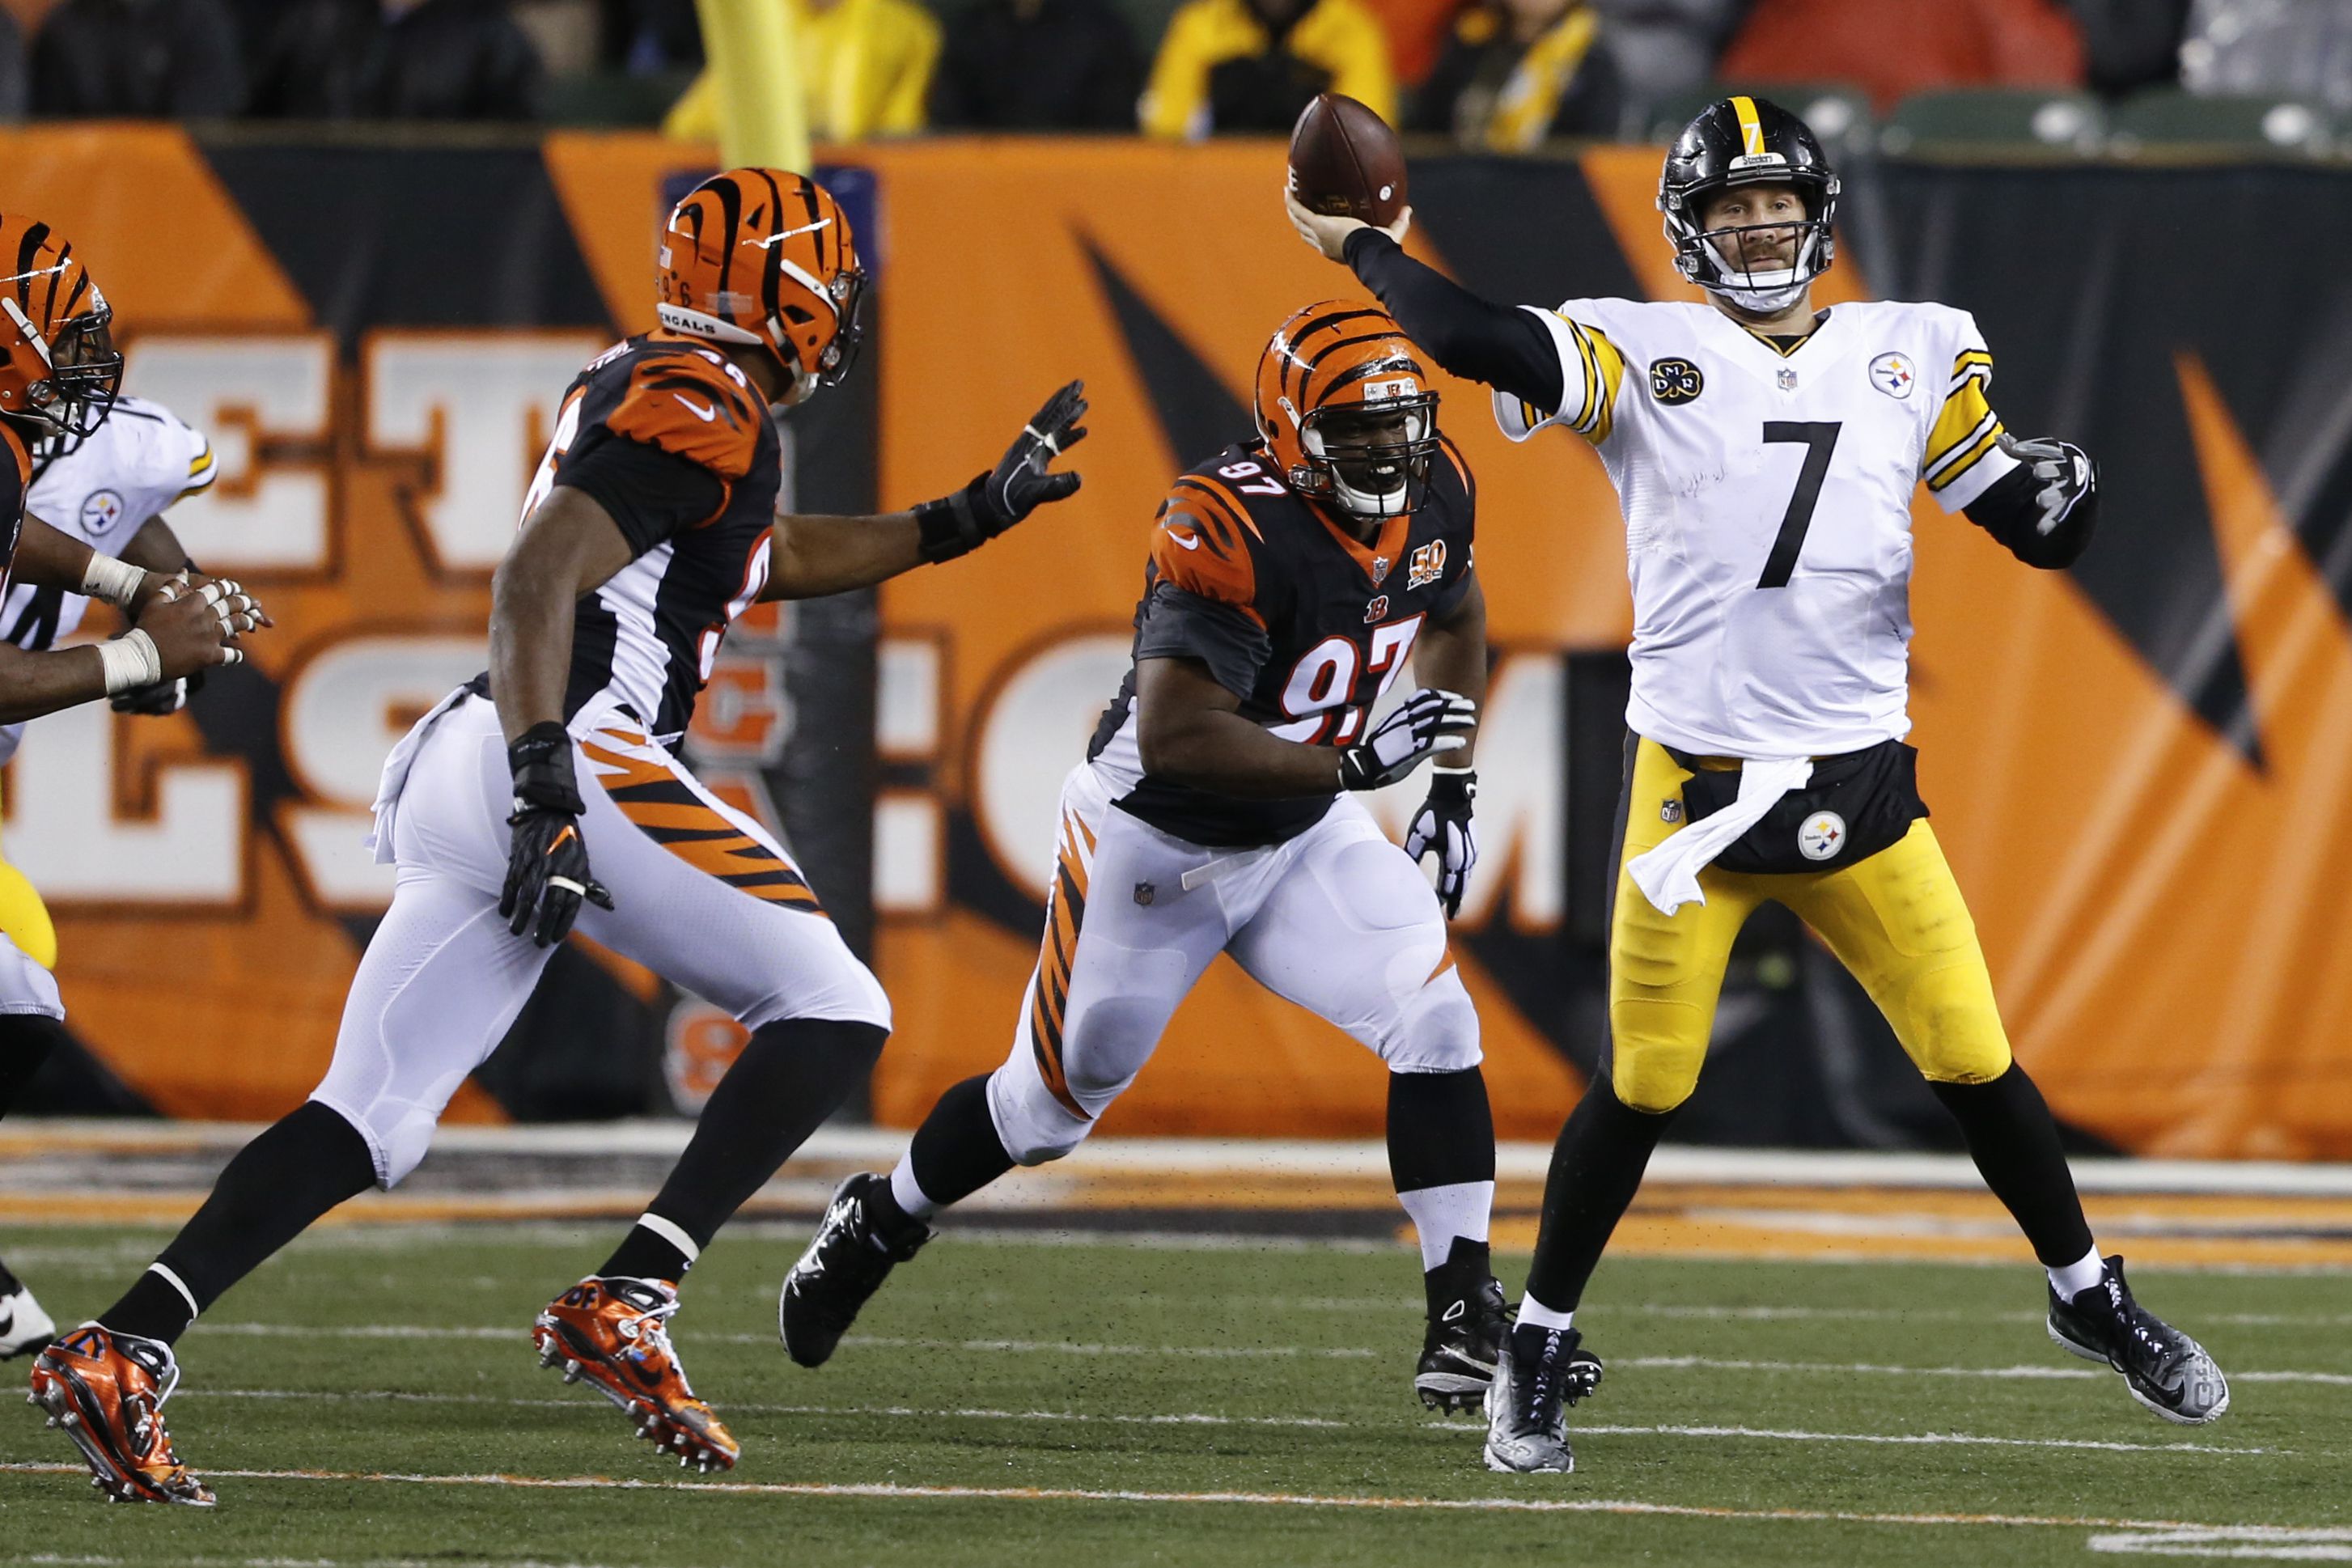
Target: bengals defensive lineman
[
  {"x": 58, "y": 376},
  {"x": 1766, "y": 454},
  {"x": 651, "y": 526},
  {"x": 1292, "y": 581}
]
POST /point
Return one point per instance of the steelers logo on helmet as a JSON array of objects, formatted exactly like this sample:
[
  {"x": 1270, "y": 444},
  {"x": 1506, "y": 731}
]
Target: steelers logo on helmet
[
  {"x": 1742, "y": 141},
  {"x": 1345, "y": 409},
  {"x": 765, "y": 257}
]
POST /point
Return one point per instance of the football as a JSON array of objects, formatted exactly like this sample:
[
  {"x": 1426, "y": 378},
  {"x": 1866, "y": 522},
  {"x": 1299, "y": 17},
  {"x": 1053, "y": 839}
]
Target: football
[{"x": 1344, "y": 159}]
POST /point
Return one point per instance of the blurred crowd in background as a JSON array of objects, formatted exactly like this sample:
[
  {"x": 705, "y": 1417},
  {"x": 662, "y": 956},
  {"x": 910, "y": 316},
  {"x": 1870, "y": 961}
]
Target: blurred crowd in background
[{"x": 1500, "y": 75}]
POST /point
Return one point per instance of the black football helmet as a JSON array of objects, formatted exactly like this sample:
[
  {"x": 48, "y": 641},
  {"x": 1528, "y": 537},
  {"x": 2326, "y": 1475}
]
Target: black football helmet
[{"x": 1744, "y": 140}]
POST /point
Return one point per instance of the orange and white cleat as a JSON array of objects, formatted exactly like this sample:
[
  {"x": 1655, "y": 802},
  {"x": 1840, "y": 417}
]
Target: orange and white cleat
[
  {"x": 107, "y": 1391},
  {"x": 615, "y": 1334}
]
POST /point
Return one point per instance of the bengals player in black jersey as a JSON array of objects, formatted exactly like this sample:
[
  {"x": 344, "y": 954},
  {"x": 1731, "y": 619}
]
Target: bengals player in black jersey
[
  {"x": 1293, "y": 578},
  {"x": 59, "y": 375},
  {"x": 650, "y": 527}
]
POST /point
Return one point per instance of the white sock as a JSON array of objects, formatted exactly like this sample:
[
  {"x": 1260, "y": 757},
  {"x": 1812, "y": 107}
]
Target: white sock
[
  {"x": 1441, "y": 1214},
  {"x": 1535, "y": 1314},
  {"x": 909, "y": 1192},
  {"x": 2077, "y": 1277}
]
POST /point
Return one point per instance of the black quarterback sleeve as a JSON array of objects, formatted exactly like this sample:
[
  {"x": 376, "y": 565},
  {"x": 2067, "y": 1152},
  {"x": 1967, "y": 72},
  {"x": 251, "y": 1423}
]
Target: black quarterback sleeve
[
  {"x": 650, "y": 494},
  {"x": 1177, "y": 624},
  {"x": 1505, "y": 347}
]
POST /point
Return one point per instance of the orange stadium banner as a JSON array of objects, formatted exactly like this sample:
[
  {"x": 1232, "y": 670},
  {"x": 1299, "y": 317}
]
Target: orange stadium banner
[{"x": 2138, "y": 768}]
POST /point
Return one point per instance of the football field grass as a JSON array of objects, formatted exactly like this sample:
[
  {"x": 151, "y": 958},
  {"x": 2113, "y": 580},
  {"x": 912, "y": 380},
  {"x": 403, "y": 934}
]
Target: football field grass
[{"x": 371, "y": 1398}]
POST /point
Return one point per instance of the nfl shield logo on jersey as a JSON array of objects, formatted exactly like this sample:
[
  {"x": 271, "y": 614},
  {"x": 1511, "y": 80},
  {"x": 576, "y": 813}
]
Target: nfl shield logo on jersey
[
  {"x": 1822, "y": 836},
  {"x": 1892, "y": 374}
]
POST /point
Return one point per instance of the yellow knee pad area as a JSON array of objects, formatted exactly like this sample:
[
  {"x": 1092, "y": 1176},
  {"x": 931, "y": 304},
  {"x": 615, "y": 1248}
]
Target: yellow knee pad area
[
  {"x": 1655, "y": 1050},
  {"x": 25, "y": 919},
  {"x": 1950, "y": 1026}
]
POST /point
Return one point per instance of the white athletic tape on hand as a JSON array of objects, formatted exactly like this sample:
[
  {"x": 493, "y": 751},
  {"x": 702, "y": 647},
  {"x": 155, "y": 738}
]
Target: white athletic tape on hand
[
  {"x": 130, "y": 662},
  {"x": 568, "y": 885},
  {"x": 116, "y": 582}
]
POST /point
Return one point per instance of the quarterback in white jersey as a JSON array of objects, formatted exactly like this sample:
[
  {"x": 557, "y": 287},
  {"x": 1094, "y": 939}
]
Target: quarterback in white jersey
[{"x": 1765, "y": 455}]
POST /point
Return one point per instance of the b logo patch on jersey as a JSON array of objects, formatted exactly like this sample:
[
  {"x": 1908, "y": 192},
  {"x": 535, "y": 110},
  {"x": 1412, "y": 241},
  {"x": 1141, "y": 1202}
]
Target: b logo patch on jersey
[
  {"x": 1822, "y": 836},
  {"x": 1892, "y": 374},
  {"x": 1428, "y": 564},
  {"x": 101, "y": 512},
  {"x": 1675, "y": 381},
  {"x": 1377, "y": 611}
]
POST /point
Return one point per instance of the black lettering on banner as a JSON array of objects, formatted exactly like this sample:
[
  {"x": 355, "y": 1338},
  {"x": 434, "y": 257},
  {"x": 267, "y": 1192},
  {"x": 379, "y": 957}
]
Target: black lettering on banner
[{"x": 1819, "y": 439}]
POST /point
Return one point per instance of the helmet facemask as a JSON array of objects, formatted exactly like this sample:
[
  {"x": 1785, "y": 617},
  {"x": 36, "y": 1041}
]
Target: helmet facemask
[
  {"x": 85, "y": 376},
  {"x": 1369, "y": 459},
  {"x": 1716, "y": 258}
]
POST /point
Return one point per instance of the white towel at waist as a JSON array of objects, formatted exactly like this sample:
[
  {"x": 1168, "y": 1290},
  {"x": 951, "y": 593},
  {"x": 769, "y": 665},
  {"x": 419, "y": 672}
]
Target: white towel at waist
[{"x": 1668, "y": 875}]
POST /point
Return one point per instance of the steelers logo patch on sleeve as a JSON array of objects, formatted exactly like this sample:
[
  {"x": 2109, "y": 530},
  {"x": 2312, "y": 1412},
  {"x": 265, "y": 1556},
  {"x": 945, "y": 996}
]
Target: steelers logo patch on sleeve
[{"x": 1675, "y": 381}]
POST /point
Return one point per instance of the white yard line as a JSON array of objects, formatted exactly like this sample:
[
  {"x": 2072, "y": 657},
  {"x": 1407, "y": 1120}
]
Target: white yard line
[
  {"x": 1199, "y": 1418},
  {"x": 1232, "y": 1353},
  {"x": 887, "y": 1492}
]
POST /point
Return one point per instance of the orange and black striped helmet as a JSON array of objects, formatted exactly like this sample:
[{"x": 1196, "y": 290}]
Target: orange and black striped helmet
[
  {"x": 61, "y": 372},
  {"x": 1346, "y": 409},
  {"x": 764, "y": 256}
]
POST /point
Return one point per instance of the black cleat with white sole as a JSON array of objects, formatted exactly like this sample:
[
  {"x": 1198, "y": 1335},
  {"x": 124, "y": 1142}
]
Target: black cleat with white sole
[
  {"x": 1541, "y": 1373},
  {"x": 1467, "y": 1323},
  {"x": 2165, "y": 1369},
  {"x": 855, "y": 1247}
]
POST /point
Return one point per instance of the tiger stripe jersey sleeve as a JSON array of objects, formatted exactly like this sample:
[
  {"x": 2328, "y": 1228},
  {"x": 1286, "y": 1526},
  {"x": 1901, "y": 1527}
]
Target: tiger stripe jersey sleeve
[
  {"x": 1202, "y": 602},
  {"x": 1591, "y": 370},
  {"x": 691, "y": 404},
  {"x": 1963, "y": 454}
]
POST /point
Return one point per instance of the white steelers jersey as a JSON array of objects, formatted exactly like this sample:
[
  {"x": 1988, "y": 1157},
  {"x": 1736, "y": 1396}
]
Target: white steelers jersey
[
  {"x": 140, "y": 460},
  {"x": 1767, "y": 497}
]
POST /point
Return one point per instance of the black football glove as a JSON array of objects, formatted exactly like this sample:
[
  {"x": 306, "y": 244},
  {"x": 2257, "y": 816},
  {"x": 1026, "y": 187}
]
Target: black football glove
[
  {"x": 164, "y": 696},
  {"x": 546, "y": 860},
  {"x": 1424, "y": 724},
  {"x": 960, "y": 523},
  {"x": 1443, "y": 823},
  {"x": 2064, "y": 471}
]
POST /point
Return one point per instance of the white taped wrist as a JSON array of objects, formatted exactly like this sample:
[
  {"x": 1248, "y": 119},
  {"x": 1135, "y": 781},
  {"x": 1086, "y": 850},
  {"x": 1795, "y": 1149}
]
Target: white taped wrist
[
  {"x": 130, "y": 662},
  {"x": 116, "y": 582}
]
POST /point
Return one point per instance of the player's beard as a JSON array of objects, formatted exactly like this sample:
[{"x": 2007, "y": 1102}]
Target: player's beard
[{"x": 1765, "y": 290}]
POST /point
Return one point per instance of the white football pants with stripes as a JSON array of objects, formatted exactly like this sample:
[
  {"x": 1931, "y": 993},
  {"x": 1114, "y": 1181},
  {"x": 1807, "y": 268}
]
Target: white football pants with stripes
[
  {"x": 1337, "y": 920},
  {"x": 702, "y": 895}
]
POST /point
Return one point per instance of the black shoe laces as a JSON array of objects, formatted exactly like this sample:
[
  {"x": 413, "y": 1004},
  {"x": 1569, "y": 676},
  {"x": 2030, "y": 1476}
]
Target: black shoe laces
[{"x": 1540, "y": 1394}]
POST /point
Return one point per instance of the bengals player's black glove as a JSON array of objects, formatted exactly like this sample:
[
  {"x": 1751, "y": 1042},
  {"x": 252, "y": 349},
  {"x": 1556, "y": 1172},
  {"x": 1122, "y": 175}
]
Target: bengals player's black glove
[
  {"x": 1443, "y": 823},
  {"x": 1421, "y": 726},
  {"x": 960, "y": 523},
  {"x": 164, "y": 697},
  {"x": 546, "y": 860}
]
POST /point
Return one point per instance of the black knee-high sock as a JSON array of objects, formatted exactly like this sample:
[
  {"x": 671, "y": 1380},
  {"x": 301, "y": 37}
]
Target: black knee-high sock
[
  {"x": 1596, "y": 1167},
  {"x": 2014, "y": 1142},
  {"x": 793, "y": 1074},
  {"x": 26, "y": 1041},
  {"x": 956, "y": 1151},
  {"x": 1440, "y": 1129},
  {"x": 298, "y": 1170}
]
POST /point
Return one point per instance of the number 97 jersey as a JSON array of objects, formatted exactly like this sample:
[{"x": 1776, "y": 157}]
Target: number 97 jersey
[
  {"x": 1305, "y": 624},
  {"x": 1767, "y": 492}
]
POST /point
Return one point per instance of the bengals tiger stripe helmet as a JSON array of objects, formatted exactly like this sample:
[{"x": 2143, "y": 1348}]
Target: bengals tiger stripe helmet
[
  {"x": 1346, "y": 409},
  {"x": 61, "y": 372},
  {"x": 764, "y": 256}
]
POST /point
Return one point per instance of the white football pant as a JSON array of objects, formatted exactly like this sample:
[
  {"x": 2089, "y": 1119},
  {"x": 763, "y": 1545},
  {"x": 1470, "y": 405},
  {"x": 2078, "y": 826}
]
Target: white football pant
[
  {"x": 1337, "y": 920},
  {"x": 702, "y": 896}
]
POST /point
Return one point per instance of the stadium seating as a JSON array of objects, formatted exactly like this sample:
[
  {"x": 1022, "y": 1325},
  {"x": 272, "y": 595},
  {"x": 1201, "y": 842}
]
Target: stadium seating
[
  {"x": 1980, "y": 118},
  {"x": 1839, "y": 114},
  {"x": 2175, "y": 120}
]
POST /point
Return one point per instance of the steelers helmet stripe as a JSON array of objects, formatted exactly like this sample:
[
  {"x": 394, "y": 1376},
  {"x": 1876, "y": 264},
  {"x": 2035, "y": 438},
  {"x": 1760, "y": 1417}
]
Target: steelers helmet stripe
[{"x": 1752, "y": 129}]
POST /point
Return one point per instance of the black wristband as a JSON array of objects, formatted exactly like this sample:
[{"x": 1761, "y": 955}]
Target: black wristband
[
  {"x": 1451, "y": 787},
  {"x": 951, "y": 526},
  {"x": 541, "y": 760}
]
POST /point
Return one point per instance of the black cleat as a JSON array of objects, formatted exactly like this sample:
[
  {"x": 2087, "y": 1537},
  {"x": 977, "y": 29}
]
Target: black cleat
[
  {"x": 855, "y": 1247},
  {"x": 1541, "y": 1373},
  {"x": 24, "y": 1327},
  {"x": 2165, "y": 1369},
  {"x": 1467, "y": 1323}
]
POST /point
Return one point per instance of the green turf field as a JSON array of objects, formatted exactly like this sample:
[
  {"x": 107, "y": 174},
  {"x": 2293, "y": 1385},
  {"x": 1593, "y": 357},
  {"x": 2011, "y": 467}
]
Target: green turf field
[{"x": 1925, "y": 1397}]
